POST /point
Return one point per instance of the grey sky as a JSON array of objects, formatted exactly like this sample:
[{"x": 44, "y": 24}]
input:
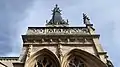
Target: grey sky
[
  {"x": 11, "y": 13},
  {"x": 17, "y": 15}
]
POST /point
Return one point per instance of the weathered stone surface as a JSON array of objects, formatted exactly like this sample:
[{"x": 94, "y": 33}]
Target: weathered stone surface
[
  {"x": 58, "y": 45},
  {"x": 57, "y": 30}
]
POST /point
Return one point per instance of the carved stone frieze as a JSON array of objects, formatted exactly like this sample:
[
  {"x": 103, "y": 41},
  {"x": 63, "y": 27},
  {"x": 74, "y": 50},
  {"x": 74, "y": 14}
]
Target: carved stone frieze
[
  {"x": 73, "y": 40},
  {"x": 56, "y": 31}
]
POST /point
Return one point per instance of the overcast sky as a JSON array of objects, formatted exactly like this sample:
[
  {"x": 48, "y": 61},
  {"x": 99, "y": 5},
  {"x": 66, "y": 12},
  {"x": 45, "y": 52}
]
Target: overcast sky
[{"x": 17, "y": 15}]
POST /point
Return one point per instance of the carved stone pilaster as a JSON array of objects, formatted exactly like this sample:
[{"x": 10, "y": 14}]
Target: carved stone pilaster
[
  {"x": 29, "y": 51},
  {"x": 59, "y": 51}
]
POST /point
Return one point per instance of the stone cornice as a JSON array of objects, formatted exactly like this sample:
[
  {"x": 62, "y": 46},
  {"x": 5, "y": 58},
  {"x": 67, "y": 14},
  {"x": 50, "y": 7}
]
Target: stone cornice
[
  {"x": 52, "y": 40},
  {"x": 55, "y": 39},
  {"x": 59, "y": 35},
  {"x": 55, "y": 27},
  {"x": 9, "y": 58},
  {"x": 55, "y": 44}
]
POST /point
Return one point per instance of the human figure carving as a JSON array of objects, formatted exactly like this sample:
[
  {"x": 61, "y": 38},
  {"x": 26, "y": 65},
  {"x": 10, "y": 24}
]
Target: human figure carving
[{"x": 86, "y": 19}]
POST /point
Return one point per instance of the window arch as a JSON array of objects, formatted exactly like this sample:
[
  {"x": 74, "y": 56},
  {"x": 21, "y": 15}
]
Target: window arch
[
  {"x": 45, "y": 61},
  {"x": 43, "y": 58},
  {"x": 75, "y": 62},
  {"x": 80, "y": 58},
  {"x": 46, "y": 58}
]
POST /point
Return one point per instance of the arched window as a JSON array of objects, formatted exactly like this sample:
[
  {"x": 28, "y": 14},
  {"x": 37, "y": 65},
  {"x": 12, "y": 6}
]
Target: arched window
[
  {"x": 80, "y": 58},
  {"x": 75, "y": 62},
  {"x": 43, "y": 58},
  {"x": 45, "y": 61}
]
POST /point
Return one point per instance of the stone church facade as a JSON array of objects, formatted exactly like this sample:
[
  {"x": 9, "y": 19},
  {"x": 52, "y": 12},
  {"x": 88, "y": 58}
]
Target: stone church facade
[{"x": 59, "y": 45}]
